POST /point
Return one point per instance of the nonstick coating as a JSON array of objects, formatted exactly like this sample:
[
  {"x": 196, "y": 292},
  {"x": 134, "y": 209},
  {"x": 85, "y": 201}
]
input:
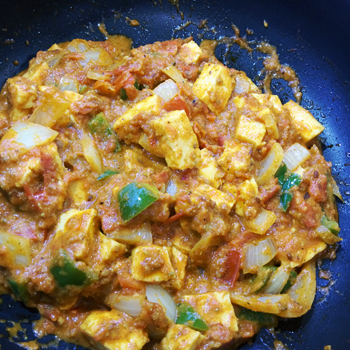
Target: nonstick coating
[{"x": 311, "y": 36}]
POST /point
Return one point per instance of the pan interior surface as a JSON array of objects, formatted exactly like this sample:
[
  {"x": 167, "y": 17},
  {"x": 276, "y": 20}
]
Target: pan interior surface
[{"x": 311, "y": 37}]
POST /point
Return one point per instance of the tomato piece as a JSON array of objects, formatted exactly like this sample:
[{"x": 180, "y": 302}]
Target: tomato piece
[
  {"x": 175, "y": 104},
  {"x": 233, "y": 265}
]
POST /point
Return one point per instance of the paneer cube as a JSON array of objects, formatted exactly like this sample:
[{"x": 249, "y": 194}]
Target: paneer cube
[
  {"x": 151, "y": 264},
  {"x": 300, "y": 257},
  {"x": 22, "y": 92},
  {"x": 247, "y": 191},
  {"x": 214, "y": 308},
  {"x": 76, "y": 229},
  {"x": 150, "y": 105},
  {"x": 122, "y": 333},
  {"x": 267, "y": 117},
  {"x": 190, "y": 52},
  {"x": 223, "y": 201},
  {"x": 235, "y": 158},
  {"x": 179, "y": 262},
  {"x": 177, "y": 141},
  {"x": 305, "y": 123},
  {"x": 230, "y": 189},
  {"x": 244, "y": 84},
  {"x": 184, "y": 239},
  {"x": 209, "y": 169},
  {"x": 251, "y": 131},
  {"x": 28, "y": 172},
  {"x": 181, "y": 337},
  {"x": 36, "y": 72},
  {"x": 110, "y": 249},
  {"x": 78, "y": 191},
  {"x": 272, "y": 101},
  {"x": 214, "y": 86}
]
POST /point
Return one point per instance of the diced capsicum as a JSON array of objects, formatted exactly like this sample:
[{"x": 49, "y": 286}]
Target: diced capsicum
[
  {"x": 264, "y": 319},
  {"x": 286, "y": 197},
  {"x": 331, "y": 225},
  {"x": 101, "y": 129},
  {"x": 66, "y": 273},
  {"x": 280, "y": 173},
  {"x": 19, "y": 290},
  {"x": 107, "y": 174},
  {"x": 188, "y": 317},
  {"x": 123, "y": 94},
  {"x": 137, "y": 85},
  {"x": 135, "y": 198},
  {"x": 292, "y": 277}
]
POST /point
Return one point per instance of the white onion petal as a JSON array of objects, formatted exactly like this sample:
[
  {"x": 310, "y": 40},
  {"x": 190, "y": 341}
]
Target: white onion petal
[
  {"x": 68, "y": 84},
  {"x": 259, "y": 255},
  {"x": 131, "y": 305},
  {"x": 90, "y": 56},
  {"x": 262, "y": 222},
  {"x": 277, "y": 280},
  {"x": 171, "y": 188},
  {"x": 327, "y": 236},
  {"x": 166, "y": 90},
  {"x": 137, "y": 235},
  {"x": 295, "y": 156},
  {"x": 91, "y": 153},
  {"x": 157, "y": 294}
]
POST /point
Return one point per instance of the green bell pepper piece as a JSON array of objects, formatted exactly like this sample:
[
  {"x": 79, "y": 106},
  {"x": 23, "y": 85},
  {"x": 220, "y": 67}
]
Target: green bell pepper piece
[
  {"x": 123, "y": 94},
  {"x": 285, "y": 199},
  {"x": 264, "y": 319},
  {"x": 280, "y": 173},
  {"x": 137, "y": 85},
  {"x": 188, "y": 317},
  {"x": 135, "y": 198},
  {"x": 82, "y": 89},
  {"x": 66, "y": 273},
  {"x": 292, "y": 180},
  {"x": 107, "y": 174},
  {"x": 99, "y": 125},
  {"x": 292, "y": 277},
  {"x": 331, "y": 225},
  {"x": 19, "y": 290}
]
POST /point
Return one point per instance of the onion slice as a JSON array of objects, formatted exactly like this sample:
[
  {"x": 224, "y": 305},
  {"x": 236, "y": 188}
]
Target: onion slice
[
  {"x": 295, "y": 156},
  {"x": 171, "y": 188},
  {"x": 166, "y": 90},
  {"x": 133, "y": 235},
  {"x": 157, "y": 294},
  {"x": 261, "y": 223},
  {"x": 173, "y": 73},
  {"x": 259, "y": 255},
  {"x": 327, "y": 236},
  {"x": 277, "y": 280},
  {"x": 270, "y": 164},
  {"x": 130, "y": 304},
  {"x": 68, "y": 84},
  {"x": 91, "y": 154}
]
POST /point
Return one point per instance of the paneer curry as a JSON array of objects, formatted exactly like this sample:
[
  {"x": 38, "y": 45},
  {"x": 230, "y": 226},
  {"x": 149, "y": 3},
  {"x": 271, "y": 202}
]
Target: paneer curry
[{"x": 154, "y": 198}]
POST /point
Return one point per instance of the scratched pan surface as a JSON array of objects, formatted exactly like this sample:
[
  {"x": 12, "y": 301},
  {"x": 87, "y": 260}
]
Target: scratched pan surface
[{"x": 313, "y": 37}]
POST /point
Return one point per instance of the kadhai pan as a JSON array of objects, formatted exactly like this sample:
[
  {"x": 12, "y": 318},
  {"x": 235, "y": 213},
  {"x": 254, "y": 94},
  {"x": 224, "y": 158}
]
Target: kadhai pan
[{"x": 312, "y": 37}]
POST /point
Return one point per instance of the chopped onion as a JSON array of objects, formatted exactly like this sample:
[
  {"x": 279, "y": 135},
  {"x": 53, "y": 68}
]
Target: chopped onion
[
  {"x": 327, "y": 236},
  {"x": 140, "y": 234},
  {"x": 30, "y": 134},
  {"x": 295, "y": 156},
  {"x": 18, "y": 251},
  {"x": 90, "y": 56},
  {"x": 171, "y": 188},
  {"x": 277, "y": 280},
  {"x": 53, "y": 61},
  {"x": 157, "y": 294},
  {"x": 261, "y": 223},
  {"x": 173, "y": 73},
  {"x": 91, "y": 153},
  {"x": 166, "y": 90},
  {"x": 94, "y": 74},
  {"x": 131, "y": 305},
  {"x": 82, "y": 47},
  {"x": 270, "y": 164},
  {"x": 259, "y": 255},
  {"x": 71, "y": 48},
  {"x": 335, "y": 188},
  {"x": 68, "y": 84}
]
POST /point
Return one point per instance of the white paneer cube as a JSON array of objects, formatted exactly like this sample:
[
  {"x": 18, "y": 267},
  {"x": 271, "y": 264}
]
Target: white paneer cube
[
  {"x": 244, "y": 84},
  {"x": 179, "y": 262},
  {"x": 214, "y": 308},
  {"x": 251, "y": 131},
  {"x": 122, "y": 333},
  {"x": 235, "y": 158},
  {"x": 76, "y": 229},
  {"x": 150, "y": 105},
  {"x": 267, "y": 117},
  {"x": 190, "y": 52},
  {"x": 22, "y": 92},
  {"x": 181, "y": 337},
  {"x": 272, "y": 101},
  {"x": 222, "y": 199},
  {"x": 214, "y": 86},
  {"x": 177, "y": 141},
  {"x": 246, "y": 191},
  {"x": 36, "y": 71},
  {"x": 28, "y": 171},
  {"x": 151, "y": 263},
  {"x": 305, "y": 123},
  {"x": 230, "y": 189},
  {"x": 209, "y": 169},
  {"x": 110, "y": 249},
  {"x": 78, "y": 191}
]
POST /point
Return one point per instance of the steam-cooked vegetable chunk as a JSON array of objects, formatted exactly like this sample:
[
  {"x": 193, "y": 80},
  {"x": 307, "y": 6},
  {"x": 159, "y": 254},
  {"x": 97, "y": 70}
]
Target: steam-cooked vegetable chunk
[
  {"x": 151, "y": 264},
  {"x": 250, "y": 131},
  {"x": 307, "y": 126},
  {"x": 214, "y": 86},
  {"x": 181, "y": 337},
  {"x": 122, "y": 334},
  {"x": 177, "y": 141},
  {"x": 209, "y": 169},
  {"x": 214, "y": 308}
]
